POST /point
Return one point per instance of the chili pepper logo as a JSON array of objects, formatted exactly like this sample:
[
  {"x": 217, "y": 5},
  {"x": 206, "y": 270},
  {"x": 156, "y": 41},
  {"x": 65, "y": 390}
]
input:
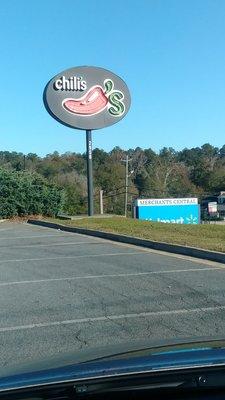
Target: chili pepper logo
[{"x": 96, "y": 100}]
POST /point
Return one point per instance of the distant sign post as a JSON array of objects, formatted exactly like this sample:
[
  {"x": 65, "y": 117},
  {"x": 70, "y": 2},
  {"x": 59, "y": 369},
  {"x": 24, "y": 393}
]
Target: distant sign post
[
  {"x": 175, "y": 211},
  {"x": 87, "y": 98}
]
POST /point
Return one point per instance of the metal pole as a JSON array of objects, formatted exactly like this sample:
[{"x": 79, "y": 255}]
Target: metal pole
[
  {"x": 101, "y": 201},
  {"x": 126, "y": 186},
  {"x": 89, "y": 173}
]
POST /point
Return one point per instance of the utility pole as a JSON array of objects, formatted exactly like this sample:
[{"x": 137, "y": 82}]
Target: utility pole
[
  {"x": 101, "y": 201},
  {"x": 127, "y": 160}
]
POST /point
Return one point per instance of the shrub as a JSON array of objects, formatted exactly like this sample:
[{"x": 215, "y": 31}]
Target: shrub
[{"x": 23, "y": 193}]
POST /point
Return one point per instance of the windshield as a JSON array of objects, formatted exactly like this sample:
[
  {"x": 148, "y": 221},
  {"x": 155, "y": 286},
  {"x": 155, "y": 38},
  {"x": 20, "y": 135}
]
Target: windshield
[{"x": 112, "y": 176}]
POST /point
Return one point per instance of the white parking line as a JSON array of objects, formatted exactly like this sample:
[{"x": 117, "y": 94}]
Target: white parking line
[
  {"x": 32, "y": 237},
  {"x": 71, "y": 278},
  {"x": 6, "y": 229},
  {"x": 112, "y": 318},
  {"x": 71, "y": 257},
  {"x": 50, "y": 245}
]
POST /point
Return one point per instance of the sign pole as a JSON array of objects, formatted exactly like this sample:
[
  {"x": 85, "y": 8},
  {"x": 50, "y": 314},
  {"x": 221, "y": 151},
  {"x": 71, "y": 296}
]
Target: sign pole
[{"x": 89, "y": 172}]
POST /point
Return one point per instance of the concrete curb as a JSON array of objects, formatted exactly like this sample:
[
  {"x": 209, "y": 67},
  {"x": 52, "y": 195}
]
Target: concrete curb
[{"x": 171, "y": 248}]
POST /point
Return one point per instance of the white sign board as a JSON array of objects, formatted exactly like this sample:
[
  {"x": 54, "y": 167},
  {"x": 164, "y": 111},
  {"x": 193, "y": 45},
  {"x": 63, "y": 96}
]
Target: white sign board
[
  {"x": 212, "y": 207},
  {"x": 167, "y": 202}
]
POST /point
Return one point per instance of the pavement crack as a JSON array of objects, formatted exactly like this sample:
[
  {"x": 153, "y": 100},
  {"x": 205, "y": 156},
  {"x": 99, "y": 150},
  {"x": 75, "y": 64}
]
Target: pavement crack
[{"x": 83, "y": 342}]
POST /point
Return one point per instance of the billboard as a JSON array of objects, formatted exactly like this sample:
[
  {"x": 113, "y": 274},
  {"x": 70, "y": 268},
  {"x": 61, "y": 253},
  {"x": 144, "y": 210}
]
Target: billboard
[
  {"x": 173, "y": 211},
  {"x": 87, "y": 98}
]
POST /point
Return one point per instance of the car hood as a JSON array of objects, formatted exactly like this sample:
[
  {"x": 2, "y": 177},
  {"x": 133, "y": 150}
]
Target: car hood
[{"x": 123, "y": 359}]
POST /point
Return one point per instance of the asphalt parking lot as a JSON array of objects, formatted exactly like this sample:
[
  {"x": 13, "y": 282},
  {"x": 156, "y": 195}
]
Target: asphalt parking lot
[{"x": 60, "y": 292}]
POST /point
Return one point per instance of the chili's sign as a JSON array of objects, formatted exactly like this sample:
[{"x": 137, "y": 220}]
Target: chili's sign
[{"x": 87, "y": 98}]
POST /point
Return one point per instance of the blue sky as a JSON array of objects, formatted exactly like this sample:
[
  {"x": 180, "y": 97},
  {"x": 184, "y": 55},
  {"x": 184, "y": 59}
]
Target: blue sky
[{"x": 171, "y": 53}]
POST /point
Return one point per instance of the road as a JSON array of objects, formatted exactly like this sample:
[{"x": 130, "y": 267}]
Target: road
[{"x": 60, "y": 292}]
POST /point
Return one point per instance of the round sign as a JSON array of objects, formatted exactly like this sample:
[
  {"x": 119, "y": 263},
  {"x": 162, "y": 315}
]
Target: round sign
[{"x": 87, "y": 98}]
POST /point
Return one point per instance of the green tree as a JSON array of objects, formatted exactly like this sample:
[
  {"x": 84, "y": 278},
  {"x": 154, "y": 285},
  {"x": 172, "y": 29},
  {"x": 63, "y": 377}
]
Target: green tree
[{"x": 74, "y": 192}]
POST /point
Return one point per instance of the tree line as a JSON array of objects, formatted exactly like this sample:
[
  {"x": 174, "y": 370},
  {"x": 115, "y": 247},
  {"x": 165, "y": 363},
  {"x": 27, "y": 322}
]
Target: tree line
[{"x": 198, "y": 171}]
